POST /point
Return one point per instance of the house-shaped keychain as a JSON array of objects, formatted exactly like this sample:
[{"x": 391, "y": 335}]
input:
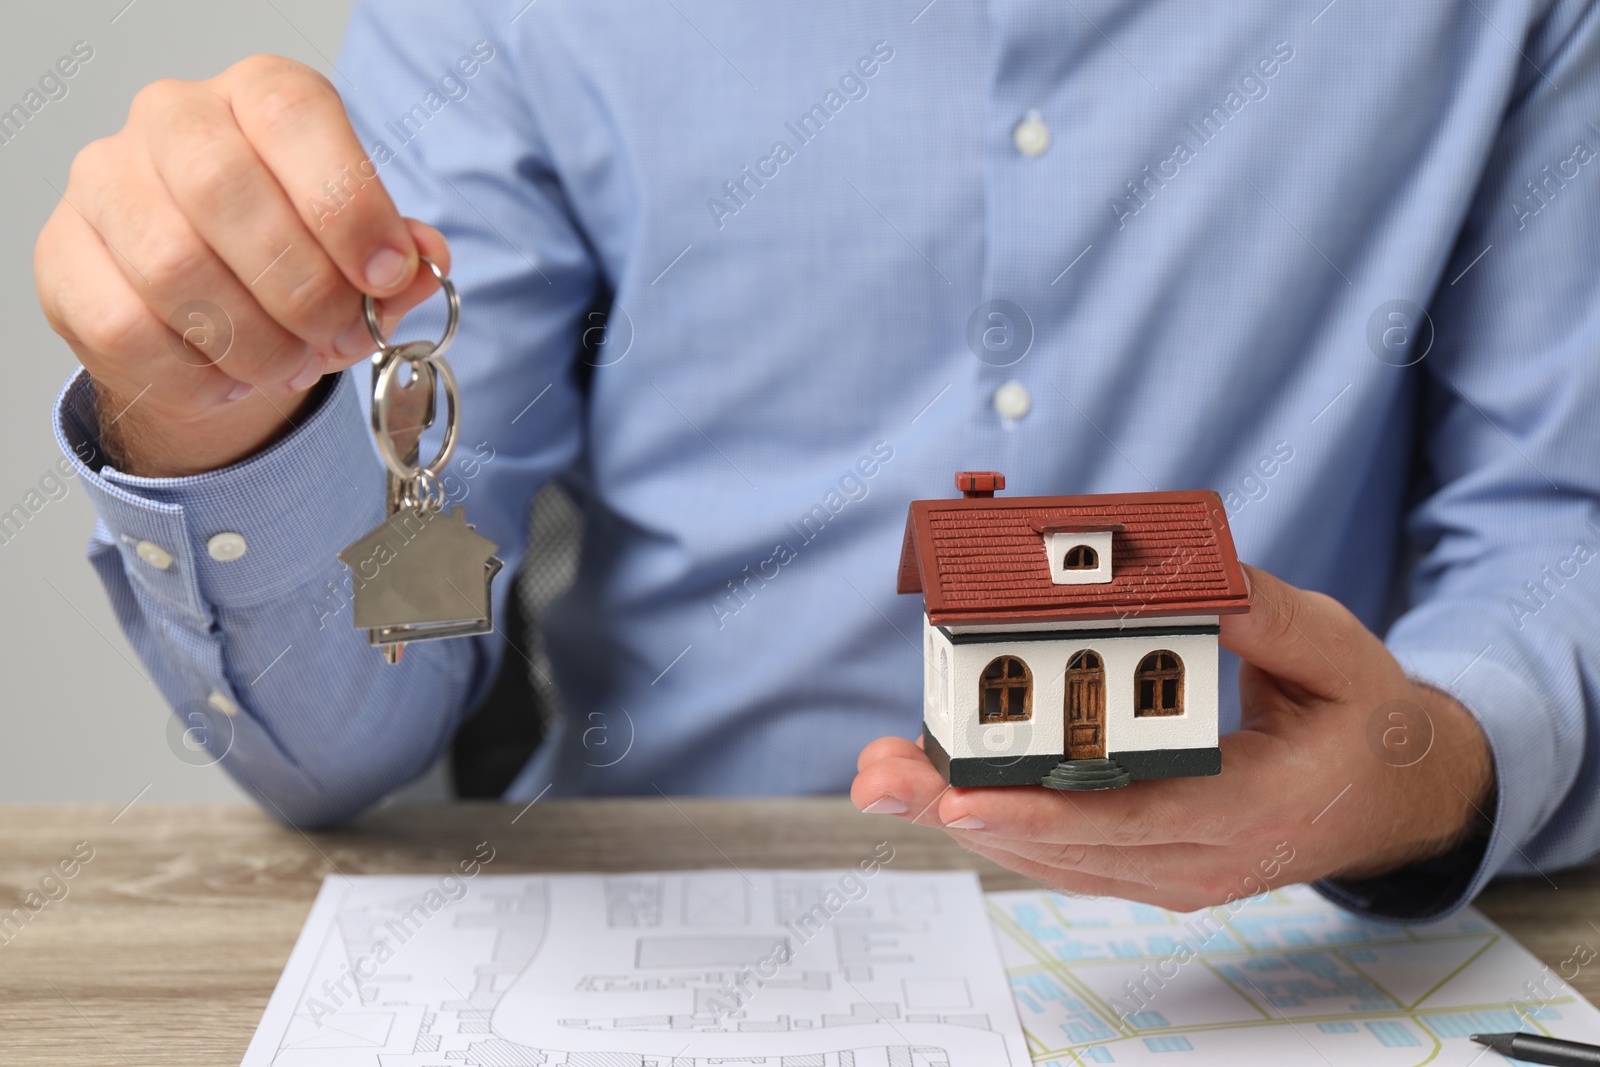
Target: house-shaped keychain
[
  {"x": 1070, "y": 641},
  {"x": 422, "y": 575}
]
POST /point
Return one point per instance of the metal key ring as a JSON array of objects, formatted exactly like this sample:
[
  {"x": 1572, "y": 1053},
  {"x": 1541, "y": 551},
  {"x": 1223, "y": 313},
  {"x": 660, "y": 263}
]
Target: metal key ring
[
  {"x": 380, "y": 413},
  {"x": 422, "y": 492},
  {"x": 453, "y": 318}
]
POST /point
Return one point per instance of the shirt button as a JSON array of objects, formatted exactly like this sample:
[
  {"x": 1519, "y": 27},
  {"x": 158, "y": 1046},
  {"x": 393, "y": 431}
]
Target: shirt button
[
  {"x": 1012, "y": 401},
  {"x": 226, "y": 546},
  {"x": 153, "y": 554},
  {"x": 219, "y": 700},
  {"x": 1031, "y": 135}
]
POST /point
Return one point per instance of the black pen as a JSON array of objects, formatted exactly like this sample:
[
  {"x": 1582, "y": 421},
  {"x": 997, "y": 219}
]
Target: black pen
[{"x": 1531, "y": 1048}]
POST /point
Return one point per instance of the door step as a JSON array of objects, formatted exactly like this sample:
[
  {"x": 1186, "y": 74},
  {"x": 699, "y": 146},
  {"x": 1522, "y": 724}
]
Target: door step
[{"x": 1086, "y": 774}]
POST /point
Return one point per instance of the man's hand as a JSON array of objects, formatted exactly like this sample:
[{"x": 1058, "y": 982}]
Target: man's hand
[
  {"x": 1334, "y": 771},
  {"x": 202, "y": 271}
]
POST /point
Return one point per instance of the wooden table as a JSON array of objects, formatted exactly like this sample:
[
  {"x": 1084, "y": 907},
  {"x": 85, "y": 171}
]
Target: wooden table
[{"x": 168, "y": 942}]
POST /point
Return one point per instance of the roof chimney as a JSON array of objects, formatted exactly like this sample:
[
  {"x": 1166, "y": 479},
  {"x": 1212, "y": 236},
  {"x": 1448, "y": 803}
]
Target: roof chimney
[{"x": 979, "y": 483}]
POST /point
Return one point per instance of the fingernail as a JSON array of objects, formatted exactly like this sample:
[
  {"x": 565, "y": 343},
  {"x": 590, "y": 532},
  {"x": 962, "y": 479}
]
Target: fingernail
[
  {"x": 886, "y": 806},
  {"x": 240, "y": 390},
  {"x": 966, "y": 822},
  {"x": 385, "y": 268},
  {"x": 354, "y": 341},
  {"x": 308, "y": 373}
]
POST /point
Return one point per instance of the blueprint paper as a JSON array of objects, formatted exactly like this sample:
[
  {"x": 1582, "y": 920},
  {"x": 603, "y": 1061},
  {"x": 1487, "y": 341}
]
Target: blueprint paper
[
  {"x": 830, "y": 968},
  {"x": 1282, "y": 978}
]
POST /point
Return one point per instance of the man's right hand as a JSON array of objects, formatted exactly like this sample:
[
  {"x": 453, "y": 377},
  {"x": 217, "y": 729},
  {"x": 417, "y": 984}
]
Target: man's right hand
[{"x": 213, "y": 192}]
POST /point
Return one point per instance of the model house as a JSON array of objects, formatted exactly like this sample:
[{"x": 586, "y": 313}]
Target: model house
[{"x": 1070, "y": 641}]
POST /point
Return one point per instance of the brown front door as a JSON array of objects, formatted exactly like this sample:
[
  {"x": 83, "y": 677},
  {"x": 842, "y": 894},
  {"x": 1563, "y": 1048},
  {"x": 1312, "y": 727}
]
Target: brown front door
[{"x": 1086, "y": 706}]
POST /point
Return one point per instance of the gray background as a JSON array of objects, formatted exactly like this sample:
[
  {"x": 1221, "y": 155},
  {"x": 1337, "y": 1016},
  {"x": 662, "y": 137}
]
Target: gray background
[{"x": 80, "y": 720}]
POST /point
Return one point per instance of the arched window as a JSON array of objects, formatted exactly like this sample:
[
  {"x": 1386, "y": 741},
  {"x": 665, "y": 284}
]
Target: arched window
[
  {"x": 1158, "y": 685},
  {"x": 1081, "y": 558},
  {"x": 1005, "y": 692}
]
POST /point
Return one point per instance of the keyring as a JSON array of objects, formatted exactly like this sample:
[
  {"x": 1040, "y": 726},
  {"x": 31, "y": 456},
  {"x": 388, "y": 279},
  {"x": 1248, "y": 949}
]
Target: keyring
[
  {"x": 453, "y": 318},
  {"x": 441, "y": 372},
  {"x": 417, "y": 595},
  {"x": 422, "y": 491}
]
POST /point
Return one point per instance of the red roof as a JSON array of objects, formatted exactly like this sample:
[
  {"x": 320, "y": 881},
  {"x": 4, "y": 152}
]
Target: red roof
[{"x": 982, "y": 560}]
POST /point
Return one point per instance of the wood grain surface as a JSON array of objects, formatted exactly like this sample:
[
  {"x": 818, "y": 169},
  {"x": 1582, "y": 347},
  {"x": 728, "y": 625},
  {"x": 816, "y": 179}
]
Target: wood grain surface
[{"x": 167, "y": 943}]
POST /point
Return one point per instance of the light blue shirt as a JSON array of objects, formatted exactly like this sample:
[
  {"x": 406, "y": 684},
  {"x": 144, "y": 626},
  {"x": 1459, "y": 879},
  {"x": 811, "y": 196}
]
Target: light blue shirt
[{"x": 1212, "y": 228}]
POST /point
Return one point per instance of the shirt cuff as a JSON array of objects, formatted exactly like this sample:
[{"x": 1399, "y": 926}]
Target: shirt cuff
[
  {"x": 1522, "y": 744},
  {"x": 287, "y": 510}
]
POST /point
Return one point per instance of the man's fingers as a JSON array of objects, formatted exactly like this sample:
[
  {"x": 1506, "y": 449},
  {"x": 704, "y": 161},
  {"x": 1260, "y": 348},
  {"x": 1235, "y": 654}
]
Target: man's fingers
[
  {"x": 1129, "y": 864},
  {"x": 111, "y": 329},
  {"x": 431, "y": 243},
  {"x": 1306, "y": 639},
  {"x": 885, "y": 747},
  {"x": 905, "y": 785},
  {"x": 1194, "y": 874},
  {"x": 391, "y": 309},
  {"x": 1165, "y": 843},
  {"x": 169, "y": 265},
  {"x": 228, "y": 197},
  {"x": 1075, "y": 883},
  {"x": 1179, "y": 877},
  {"x": 297, "y": 123},
  {"x": 914, "y": 783},
  {"x": 1145, "y": 813}
]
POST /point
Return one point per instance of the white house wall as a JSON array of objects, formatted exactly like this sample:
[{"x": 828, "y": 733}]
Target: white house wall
[
  {"x": 953, "y": 716},
  {"x": 938, "y": 685},
  {"x": 1039, "y": 736}
]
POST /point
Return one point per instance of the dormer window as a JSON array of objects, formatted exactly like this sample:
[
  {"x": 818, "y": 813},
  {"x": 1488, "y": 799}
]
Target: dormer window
[
  {"x": 1079, "y": 554},
  {"x": 1081, "y": 558}
]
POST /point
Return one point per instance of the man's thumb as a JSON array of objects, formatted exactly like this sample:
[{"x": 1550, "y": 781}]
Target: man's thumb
[{"x": 1305, "y": 638}]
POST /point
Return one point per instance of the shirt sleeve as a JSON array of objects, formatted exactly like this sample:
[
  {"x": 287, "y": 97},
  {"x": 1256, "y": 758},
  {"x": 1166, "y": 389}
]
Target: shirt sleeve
[
  {"x": 1505, "y": 586},
  {"x": 256, "y": 650}
]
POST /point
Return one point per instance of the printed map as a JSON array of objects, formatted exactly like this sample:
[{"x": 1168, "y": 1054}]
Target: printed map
[{"x": 1280, "y": 978}]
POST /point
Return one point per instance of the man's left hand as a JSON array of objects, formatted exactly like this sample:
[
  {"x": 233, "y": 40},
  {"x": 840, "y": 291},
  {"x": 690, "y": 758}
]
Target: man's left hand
[{"x": 1341, "y": 766}]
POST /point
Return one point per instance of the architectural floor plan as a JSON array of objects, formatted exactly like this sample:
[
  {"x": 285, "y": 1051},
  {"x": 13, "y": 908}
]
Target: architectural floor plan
[
  {"x": 1283, "y": 978},
  {"x": 832, "y": 968}
]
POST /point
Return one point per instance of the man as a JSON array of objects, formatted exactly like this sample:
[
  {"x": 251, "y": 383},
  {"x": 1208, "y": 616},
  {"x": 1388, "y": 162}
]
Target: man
[{"x": 839, "y": 252}]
